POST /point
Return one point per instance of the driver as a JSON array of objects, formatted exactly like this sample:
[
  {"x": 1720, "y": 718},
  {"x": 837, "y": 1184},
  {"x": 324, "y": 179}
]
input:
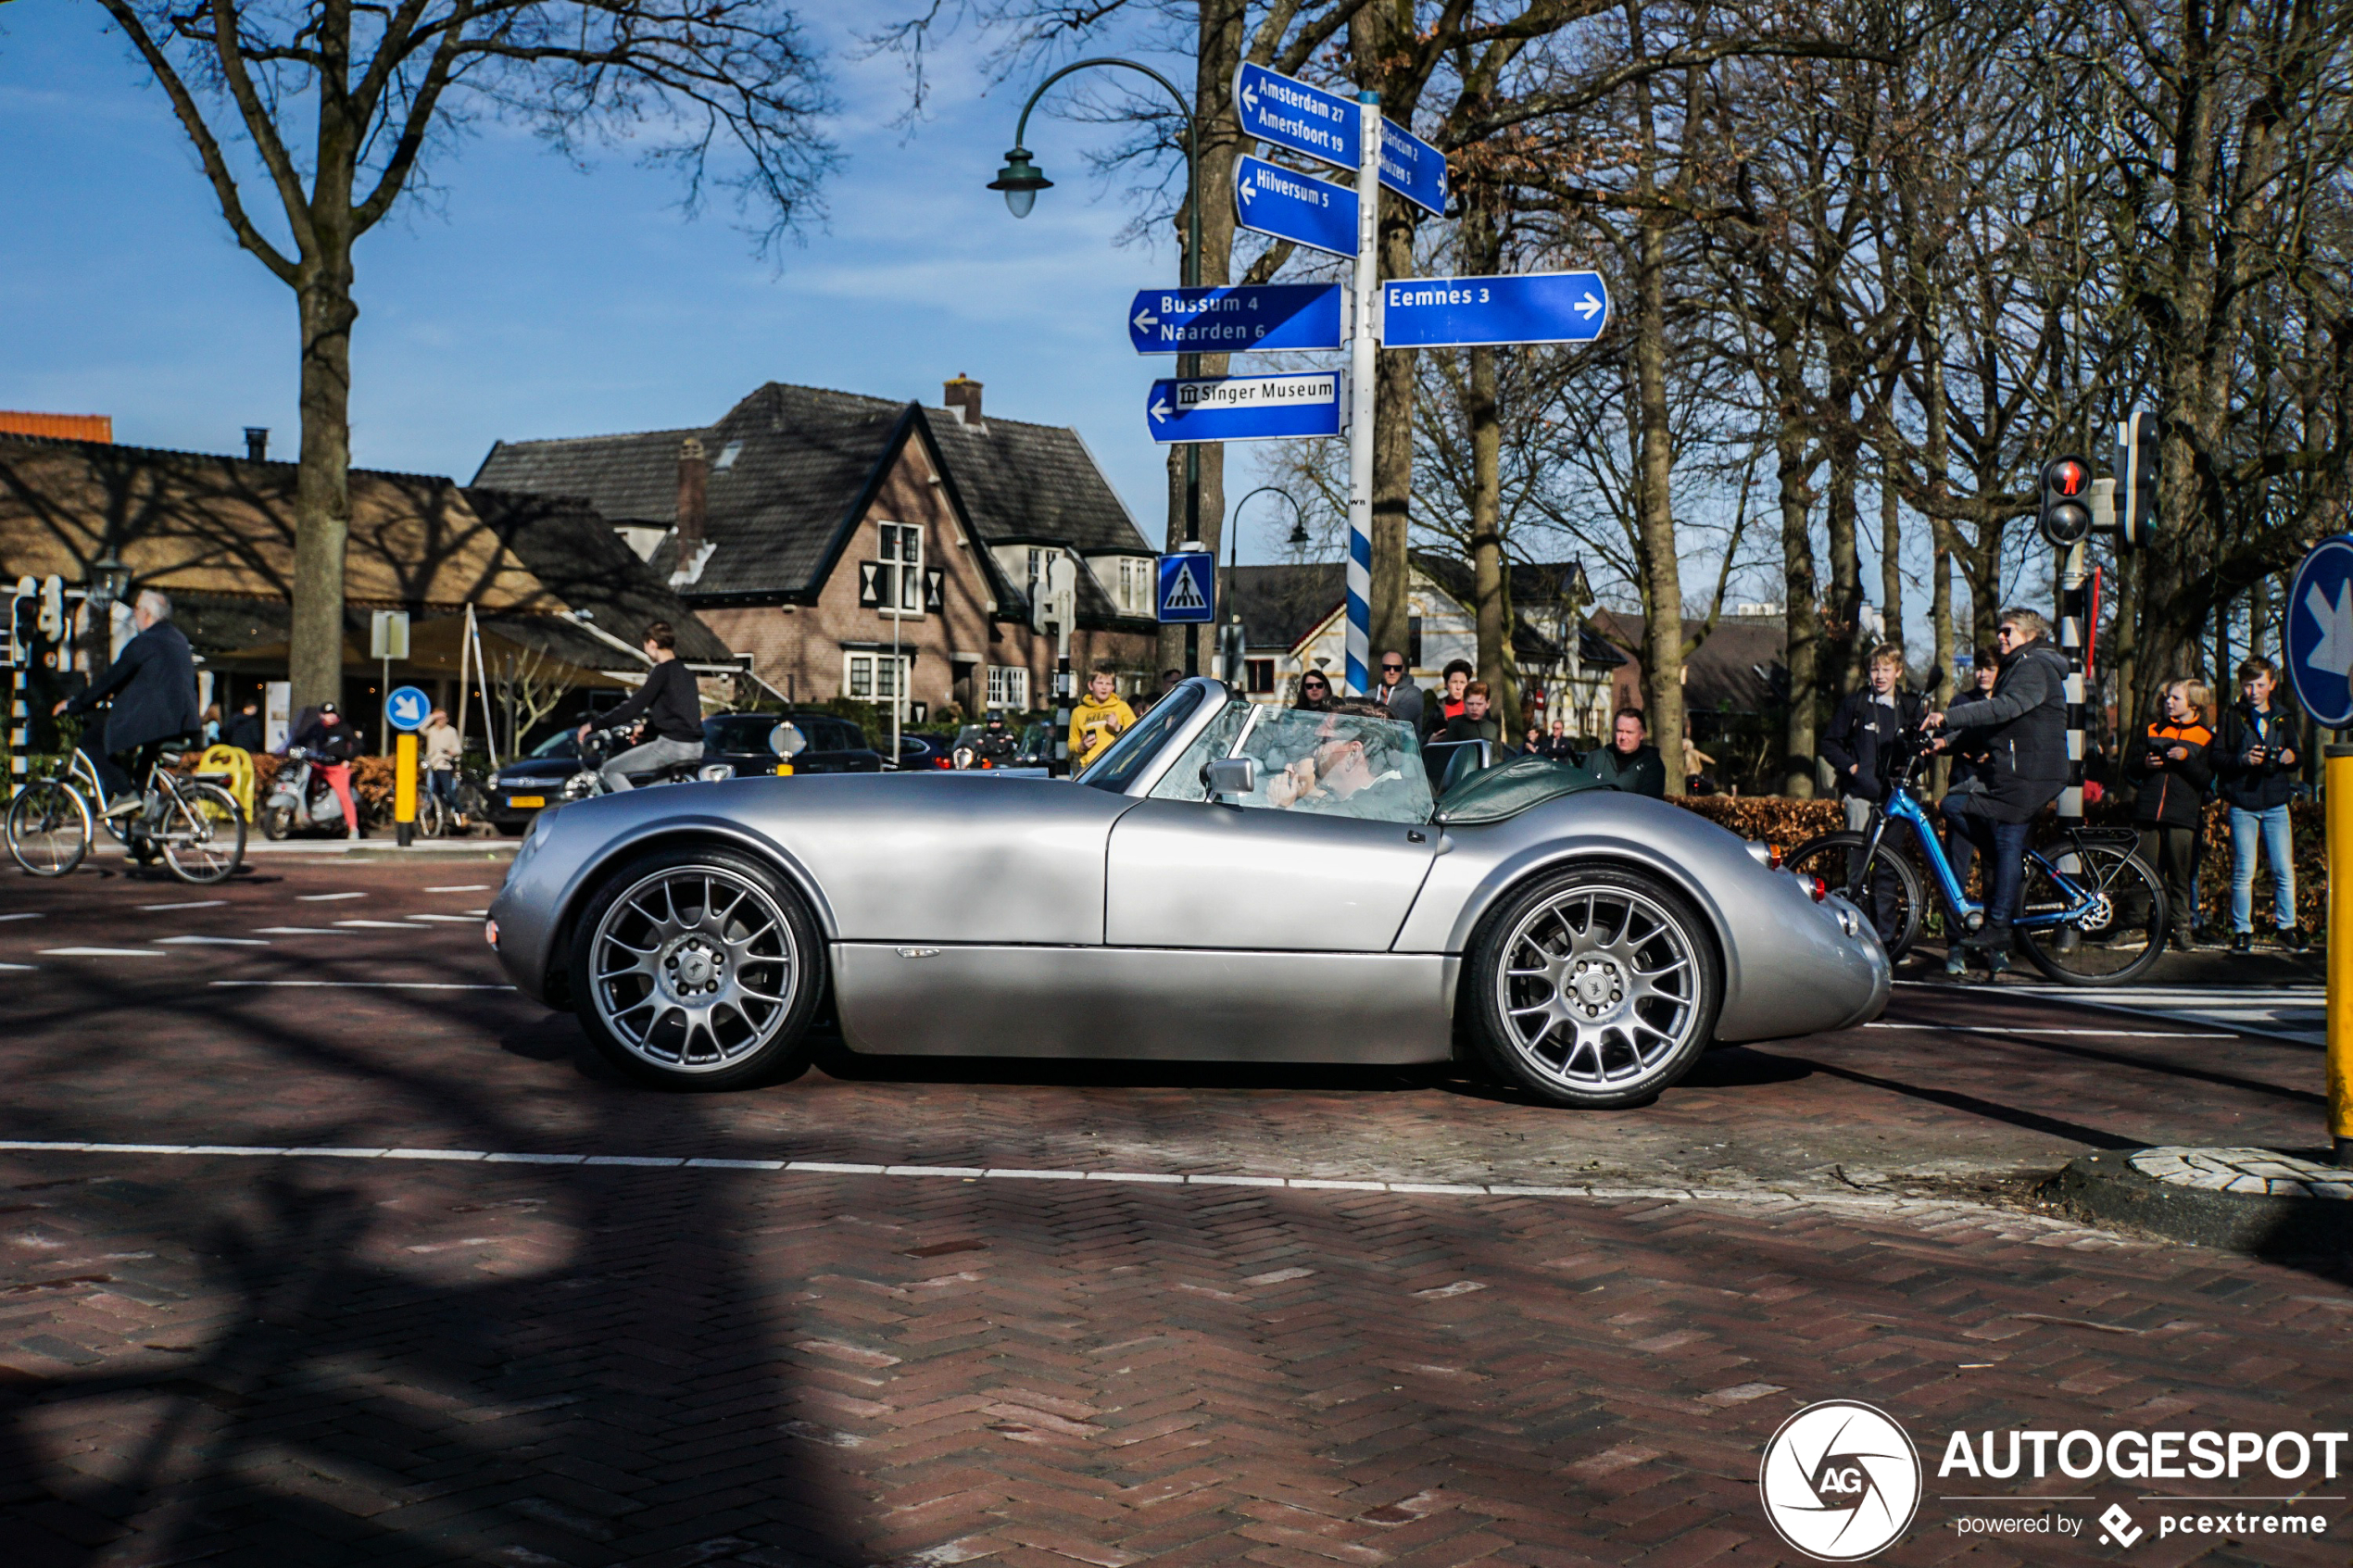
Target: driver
[
  {"x": 1352, "y": 770},
  {"x": 671, "y": 705}
]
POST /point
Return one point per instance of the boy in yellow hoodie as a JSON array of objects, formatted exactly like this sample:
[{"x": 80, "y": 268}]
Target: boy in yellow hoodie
[{"x": 1099, "y": 719}]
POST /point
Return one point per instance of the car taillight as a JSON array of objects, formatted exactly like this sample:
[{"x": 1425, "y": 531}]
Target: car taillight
[
  {"x": 1773, "y": 856},
  {"x": 490, "y": 932},
  {"x": 943, "y": 762},
  {"x": 1818, "y": 887}
]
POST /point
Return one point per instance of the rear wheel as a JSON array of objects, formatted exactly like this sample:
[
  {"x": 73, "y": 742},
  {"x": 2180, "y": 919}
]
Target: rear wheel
[
  {"x": 1593, "y": 987},
  {"x": 48, "y": 828},
  {"x": 2119, "y": 937},
  {"x": 203, "y": 834},
  {"x": 697, "y": 969},
  {"x": 1888, "y": 891}
]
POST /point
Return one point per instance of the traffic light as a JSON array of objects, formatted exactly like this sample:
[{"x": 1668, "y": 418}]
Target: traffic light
[
  {"x": 2066, "y": 515},
  {"x": 2136, "y": 466}
]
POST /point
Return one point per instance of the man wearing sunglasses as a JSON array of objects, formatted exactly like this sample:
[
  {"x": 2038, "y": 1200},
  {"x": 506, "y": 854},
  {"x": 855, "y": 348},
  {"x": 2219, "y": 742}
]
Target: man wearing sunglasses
[{"x": 1399, "y": 697}]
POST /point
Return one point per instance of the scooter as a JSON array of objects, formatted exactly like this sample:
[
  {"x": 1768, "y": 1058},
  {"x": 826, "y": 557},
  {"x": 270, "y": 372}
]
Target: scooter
[
  {"x": 300, "y": 798},
  {"x": 602, "y": 744}
]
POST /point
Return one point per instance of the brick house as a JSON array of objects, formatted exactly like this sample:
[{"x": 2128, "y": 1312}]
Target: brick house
[{"x": 855, "y": 547}]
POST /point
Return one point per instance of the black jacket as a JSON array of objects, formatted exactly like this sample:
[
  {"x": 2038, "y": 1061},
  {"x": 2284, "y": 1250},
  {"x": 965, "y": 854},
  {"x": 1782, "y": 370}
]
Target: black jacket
[
  {"x": 669, "y": 701},
  {"x": 338, "y": 741},
  {"x": 1641, "y": 774},
  {"x": 1463, "y": 727},
  {"x": 2172, "y": 794},
  {"x": 243, "y": 730},
  {"x": 1860, "y": 743},
  {"x": 154, "y": 687},
  {"x": 2024, "y": 725},
  {"x": 2266, "y": 784}
]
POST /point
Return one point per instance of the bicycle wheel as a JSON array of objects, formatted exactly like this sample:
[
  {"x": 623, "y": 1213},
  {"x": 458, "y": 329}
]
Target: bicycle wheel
[
  {"x": 48, "y": 828},
  {"x": 1888, "y": 892},
  {"x": 2117, "y": 939},
  {"x": 203, "y": 834},
  {"x": 432, "y": 820}
]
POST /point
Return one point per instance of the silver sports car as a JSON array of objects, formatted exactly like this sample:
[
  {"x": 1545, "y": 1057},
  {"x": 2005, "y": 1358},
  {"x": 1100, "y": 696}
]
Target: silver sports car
[{"x": 1229, "y": 882}]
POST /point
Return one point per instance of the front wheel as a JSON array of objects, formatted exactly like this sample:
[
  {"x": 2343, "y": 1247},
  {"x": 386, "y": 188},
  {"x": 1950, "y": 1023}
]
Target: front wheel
[
  {"x": 204, "y": 835},
  {"x": 2117, "y": 938},
  {"x": 1888, "y": 891},
  {"x": 1594, "y": 988},
  {"x": 48, "y": 828},
  {"x": 697, "y": 969},
  {"x": 277, "y": 822}
]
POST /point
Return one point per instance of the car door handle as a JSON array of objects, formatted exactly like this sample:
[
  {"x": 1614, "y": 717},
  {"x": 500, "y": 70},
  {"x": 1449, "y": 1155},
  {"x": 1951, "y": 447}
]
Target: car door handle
[{"x": 1416, "y": 835}]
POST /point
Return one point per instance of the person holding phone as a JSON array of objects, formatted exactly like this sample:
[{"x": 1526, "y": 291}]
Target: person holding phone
[{"x": 2257, "y": 755}]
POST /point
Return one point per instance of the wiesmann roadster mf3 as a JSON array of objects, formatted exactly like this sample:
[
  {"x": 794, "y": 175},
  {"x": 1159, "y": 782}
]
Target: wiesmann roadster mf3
[{"x": 1229, "y": 882}]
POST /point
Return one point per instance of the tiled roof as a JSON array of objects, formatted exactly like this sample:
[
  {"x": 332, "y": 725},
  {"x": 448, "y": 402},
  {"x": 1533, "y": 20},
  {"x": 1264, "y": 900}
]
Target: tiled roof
[
  {"x": 572, "y": 548},
  {"x": 1729, "y": 671},
  {"x": 1280, "y": 605}
]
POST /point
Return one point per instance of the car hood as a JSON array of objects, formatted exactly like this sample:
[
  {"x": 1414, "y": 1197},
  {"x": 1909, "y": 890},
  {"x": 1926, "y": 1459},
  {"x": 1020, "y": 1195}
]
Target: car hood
[{"x": 538, "y": 770}]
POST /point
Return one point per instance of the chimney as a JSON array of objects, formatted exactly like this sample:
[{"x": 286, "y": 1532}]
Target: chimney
[
  {"x": 963, "y": 398},
  {"x": 694, "y": 480},
  {"x": 258, "y": 444}
]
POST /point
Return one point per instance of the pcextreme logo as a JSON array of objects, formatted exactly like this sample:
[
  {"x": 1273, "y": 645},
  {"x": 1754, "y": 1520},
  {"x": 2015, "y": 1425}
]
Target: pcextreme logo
[{"x": 1840, "y": 1480}]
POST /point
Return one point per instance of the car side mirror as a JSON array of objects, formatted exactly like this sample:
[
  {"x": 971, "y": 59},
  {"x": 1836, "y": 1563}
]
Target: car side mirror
[
  {"x": 786, "y": 740},
  {"x": 1233, "y": 776}
]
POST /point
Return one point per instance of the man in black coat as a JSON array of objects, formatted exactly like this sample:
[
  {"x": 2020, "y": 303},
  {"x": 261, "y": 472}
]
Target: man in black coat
[
  {"x": 154, "y": 690},
  {"x": 2024, "y": 725},
  {"x": 1860, "y": 743}
]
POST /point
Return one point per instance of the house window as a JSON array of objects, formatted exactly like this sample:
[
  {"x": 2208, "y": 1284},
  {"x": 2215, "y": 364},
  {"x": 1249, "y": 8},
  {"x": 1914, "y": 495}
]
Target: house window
[
  {"x": 902, "y": 555},
  {"x": 874, "y": 677},
  {"x": 1259, "y": 675},
  {"x": 1135, "y": 586},
  {"x": 1008, "y": 687}
]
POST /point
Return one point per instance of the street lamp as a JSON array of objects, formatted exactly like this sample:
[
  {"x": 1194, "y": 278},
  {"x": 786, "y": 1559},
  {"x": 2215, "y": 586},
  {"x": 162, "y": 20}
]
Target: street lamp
[
  {"x": 1233, "y": 557},
  {"x": 1021, "y": 180},
  {"x": 109, "y": 580}
]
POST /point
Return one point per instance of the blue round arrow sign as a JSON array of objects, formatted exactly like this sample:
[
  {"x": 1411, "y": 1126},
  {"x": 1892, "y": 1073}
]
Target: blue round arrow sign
[
  {"x": 2319, "y": 633},
  {"x": 406, "y": 708}
]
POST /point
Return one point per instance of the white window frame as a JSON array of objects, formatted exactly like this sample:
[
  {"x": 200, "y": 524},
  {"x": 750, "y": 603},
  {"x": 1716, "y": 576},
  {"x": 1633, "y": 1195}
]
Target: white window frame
[
  {"x": 891, "y": 541},
  {"x": 873, "y": 669},
  {"x": 1007, "y": 687}
]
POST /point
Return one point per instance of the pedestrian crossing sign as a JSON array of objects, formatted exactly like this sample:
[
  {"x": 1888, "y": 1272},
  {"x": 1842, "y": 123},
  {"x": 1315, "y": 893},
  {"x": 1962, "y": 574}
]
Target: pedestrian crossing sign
[{"x": 1185, "y": 587}]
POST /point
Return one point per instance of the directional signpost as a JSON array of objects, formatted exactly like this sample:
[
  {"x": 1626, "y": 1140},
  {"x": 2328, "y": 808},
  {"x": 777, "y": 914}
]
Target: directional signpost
[
  {"x": 405, "y": 710},
  {"x": 1413, "y": 169},
  {"x": 1228, "y": 321},
  {"x": 1459, "y": 312},
  {"x": 1246, "y": 407},
  {"x": 1285, "y": 112},
  {"x": 1316, "y": 213},
  {"x": 2319, "y": 645}
]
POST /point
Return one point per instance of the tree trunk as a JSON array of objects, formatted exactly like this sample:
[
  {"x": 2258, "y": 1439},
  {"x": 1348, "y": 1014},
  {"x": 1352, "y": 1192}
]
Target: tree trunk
[
  {"x": 1890, "y": 557},
  {"x": 1662, "y": 567},
  {"x": 1841, "y": 516},
  {"x": 1940, "y": 620},
  {"x": 1219, "y": 52},
  {"x": 1378, "y": 35},
  {"x": 1800, "y": 594},
  {"x": 323, "y": 485},
  {"x": 1490, "y": 572}
]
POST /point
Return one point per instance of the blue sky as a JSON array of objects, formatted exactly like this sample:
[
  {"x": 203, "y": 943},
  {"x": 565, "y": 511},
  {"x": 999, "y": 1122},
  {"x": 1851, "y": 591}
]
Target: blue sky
[{"x": 534, "y": 300}]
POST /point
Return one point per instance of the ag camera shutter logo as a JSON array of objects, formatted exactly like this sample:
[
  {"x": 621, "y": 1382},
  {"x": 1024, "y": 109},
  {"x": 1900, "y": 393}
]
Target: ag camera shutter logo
[{"x": 1839, "y": 1481}]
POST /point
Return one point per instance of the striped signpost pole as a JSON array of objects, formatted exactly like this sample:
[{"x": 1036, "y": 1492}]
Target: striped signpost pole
[{"x": 1362, "y": 369}]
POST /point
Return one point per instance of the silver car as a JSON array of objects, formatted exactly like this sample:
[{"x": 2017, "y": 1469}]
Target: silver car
[{"x": 1228, "y": 883}]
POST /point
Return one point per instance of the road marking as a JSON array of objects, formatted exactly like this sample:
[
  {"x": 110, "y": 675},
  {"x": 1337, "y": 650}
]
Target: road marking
[
  {"x": 101, "y": 953},
  {"x": 199, "y": 904},
  {"x": 211, "y": 942},
  {"x": 324, "y": 898},
  {"x": 29, "y": 914},
  {"x": 467, "y": 887},
  {"x": 31, "y": 966},
  {"x": 380, "y": 924},
  {"x": 298, "y": 930},
  {"x": 453, "y": 920},
  {"x": 366, "y": 984},
  {"x": 2104, "y": 1033}
]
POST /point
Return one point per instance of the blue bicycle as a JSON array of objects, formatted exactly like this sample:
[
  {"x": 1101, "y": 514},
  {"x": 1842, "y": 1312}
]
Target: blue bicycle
[{"x": 2091, "y": 911}]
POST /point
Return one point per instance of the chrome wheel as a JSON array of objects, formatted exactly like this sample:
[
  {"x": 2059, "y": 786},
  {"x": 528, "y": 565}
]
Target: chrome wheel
[
  {"x": 1600, "y": 988},
  {"x": 694, "y": 969}
]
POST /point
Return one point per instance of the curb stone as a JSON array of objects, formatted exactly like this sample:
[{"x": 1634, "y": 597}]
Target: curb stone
[{"x": 2118, "y": 1185}]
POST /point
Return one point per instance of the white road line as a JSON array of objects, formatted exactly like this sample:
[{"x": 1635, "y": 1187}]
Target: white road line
[
  {"x": 380, "y": 924},
  {"x": 198, "y": 904},
  {"x": 29, "y": 966},
  {"x": 484, "y": 913},
  {"x": 211, "y": 942},
  {"x": 324, "y": 898},
  {"x": 452, "y": 919},
  {"x": 28, "y": 914},
  {"x": 467, "y": 887},
  {"x": 2110, "y": 1033},
  {"x": 298, "y": 930},
  {"x": 101, "y": 953},
  {"x": 363, "y": 984}
]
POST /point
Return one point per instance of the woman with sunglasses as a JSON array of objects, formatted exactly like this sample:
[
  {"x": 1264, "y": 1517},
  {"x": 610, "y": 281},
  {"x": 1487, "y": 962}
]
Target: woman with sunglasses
[{"x": 1314, "y": 692}]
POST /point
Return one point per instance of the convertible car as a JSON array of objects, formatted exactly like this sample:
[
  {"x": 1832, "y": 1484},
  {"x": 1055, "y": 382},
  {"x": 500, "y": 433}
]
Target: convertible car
[{"x": 1229, "y": 882}]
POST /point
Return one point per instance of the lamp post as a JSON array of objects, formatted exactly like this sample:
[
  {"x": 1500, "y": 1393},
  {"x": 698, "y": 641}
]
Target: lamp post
[
  {"x": 1233, "y": 561},
  {"x": 108, "y": 580},
  {"x": 1021, "y": 180}
]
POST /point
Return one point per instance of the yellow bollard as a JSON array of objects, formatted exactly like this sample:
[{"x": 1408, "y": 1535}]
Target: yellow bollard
[
  {"x": 404, "y": 788},
  {"x": 2337, "y": 783}
]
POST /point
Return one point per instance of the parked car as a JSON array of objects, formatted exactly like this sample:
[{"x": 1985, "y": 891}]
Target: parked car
[
  {"x": 529, "y": 784},
  {"x": 1228, "y": 881}
]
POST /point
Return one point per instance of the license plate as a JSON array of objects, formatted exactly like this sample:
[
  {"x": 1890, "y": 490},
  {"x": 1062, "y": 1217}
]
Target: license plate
[
  {"x": 783, "y": 770},
  {"x": 517, "y": 802}
]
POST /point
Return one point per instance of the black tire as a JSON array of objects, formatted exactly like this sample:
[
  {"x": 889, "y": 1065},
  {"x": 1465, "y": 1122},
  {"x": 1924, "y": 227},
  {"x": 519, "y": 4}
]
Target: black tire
[
  {"x": 1888, "y": 892},
  {"x": 716, "y": 933},
  {"x": 204, "y": 837},
  {"x": 1566, "y": 952},
  {"x": 277, "y": 823},
  {"x": 48, "y": 828},
  {"x": 2122, "y": 939}
]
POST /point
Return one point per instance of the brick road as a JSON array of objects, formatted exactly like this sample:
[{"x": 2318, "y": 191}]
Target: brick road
[{"x": 269, "y": 1360}]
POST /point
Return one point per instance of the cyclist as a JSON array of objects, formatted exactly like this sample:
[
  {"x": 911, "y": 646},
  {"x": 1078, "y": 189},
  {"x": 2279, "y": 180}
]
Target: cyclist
[
  {"x": 2024, "y": 720},
  {"x": 673, "y": 708},
  {"x": 154, "y": 690}
]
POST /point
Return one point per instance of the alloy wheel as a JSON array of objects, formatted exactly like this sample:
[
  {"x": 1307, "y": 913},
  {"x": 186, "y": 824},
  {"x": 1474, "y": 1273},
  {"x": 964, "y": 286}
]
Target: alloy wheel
[{"x": 694, "y": 969}]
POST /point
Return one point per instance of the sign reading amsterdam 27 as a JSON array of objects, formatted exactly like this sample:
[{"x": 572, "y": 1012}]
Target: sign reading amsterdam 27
[
  {"x": 1287, "y": 113},
  {"x": 1246, "y": 407},
  {"x": 1460, "y": 312},
  {"x": 1233, "y": 320}
]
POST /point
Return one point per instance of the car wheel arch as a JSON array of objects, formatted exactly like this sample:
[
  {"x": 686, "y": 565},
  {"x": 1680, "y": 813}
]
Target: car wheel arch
[{"x": 1506, "y": 880}]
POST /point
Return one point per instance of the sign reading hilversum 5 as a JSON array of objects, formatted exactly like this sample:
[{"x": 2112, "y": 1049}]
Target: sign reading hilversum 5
[
  {"x": 1457, "y": 312},
  {"x": 1222, "y": 319},
  {"x": 1314, "y": 213},
  {"x": 1287, "y": 113},
  {"x": 1246, "y": 407}
]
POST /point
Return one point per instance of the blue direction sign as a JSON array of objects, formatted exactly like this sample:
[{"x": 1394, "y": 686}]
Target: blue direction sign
[
  {"x": 1413, "y": 168},
  {"x": 2319, "y": 633},
  {"x": 406, "y": 708},
  {"x": 1245, "y": 408},
  {"x": 1287, "y": 112},
  {"x": 1224, "y": 320},
  {"x": 1186, "y": 593},
  {"x": 1534, "y": 307},
  {"x": 1316, "y": 213}
]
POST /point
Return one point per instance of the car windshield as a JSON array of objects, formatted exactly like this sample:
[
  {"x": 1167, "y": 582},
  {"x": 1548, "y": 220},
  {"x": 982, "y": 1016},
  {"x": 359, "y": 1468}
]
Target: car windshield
[
  {"x": 740, "y": 733},
  {"x": 561, "y": 744},
  {"x": 1328, "y": 764},
  {"x": 1117, "y": 768}
]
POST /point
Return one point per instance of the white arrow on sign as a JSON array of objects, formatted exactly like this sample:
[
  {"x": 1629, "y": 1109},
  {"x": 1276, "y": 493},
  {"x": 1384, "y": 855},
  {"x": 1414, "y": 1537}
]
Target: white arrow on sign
[
  {"x": 1589, "y": 306},
  {"x": 1160, "y": 411},
  {"x": 1247, "y": 192},
  {"x": 1250, "y": 98},
  {"x": 1145, "y": 320}
]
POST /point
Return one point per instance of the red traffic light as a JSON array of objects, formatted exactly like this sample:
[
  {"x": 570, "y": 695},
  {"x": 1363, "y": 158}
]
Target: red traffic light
[{"x": 2065, "y": 477}]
